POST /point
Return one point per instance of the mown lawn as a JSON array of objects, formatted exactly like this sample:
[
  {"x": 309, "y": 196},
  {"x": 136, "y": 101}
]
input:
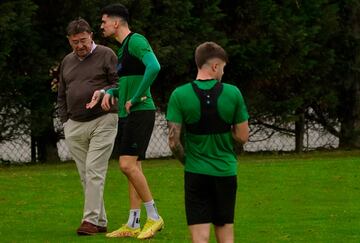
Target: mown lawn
[{"x": 312, "y": 197}]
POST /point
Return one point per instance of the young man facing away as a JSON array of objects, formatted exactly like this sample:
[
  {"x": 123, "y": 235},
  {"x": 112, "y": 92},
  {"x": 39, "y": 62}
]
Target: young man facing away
[
  {"x": 213, "y": 114},
  {"x": 137, "y": 70}
]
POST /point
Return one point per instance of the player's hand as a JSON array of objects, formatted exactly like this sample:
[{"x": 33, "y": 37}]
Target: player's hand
[
  {"x": 107, "y": 101},
  {"x": 128, "y": 106},
  {"x": 95, "y": 99}
]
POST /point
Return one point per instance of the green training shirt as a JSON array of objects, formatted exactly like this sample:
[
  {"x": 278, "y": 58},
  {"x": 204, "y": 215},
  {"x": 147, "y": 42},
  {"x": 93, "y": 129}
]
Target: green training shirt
[
  {"x": 137, "y": 87},
  {"x": 208, "y": 154}
]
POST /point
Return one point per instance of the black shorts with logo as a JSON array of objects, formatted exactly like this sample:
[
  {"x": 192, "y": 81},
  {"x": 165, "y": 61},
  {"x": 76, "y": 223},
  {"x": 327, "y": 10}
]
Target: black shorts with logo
[
  {"x": 209, "y": 199},
  {"x": 134, "y": 133}
]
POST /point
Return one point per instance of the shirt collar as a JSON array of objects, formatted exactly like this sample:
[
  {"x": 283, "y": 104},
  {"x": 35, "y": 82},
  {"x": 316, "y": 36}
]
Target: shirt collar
[{"x": 93, "y": 46}]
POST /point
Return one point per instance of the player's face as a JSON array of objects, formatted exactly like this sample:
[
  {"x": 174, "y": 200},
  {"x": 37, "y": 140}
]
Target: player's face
[
  {"x": 81, "y": 43},
  {"x": 107, "y": 25}
]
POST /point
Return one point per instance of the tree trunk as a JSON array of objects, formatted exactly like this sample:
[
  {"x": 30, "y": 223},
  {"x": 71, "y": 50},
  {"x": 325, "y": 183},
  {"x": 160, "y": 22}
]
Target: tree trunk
[
  {"x": 299, "y": 131},
  {"x": 33, "y": 149},
  {"x": 350, "y": 120}
]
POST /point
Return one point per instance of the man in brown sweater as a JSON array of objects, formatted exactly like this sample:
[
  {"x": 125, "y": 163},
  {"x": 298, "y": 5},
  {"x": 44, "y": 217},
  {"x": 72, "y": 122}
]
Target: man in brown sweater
[{"x": 85, "y": 74}]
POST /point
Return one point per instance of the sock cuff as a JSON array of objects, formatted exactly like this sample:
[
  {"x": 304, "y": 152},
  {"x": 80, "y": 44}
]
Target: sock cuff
[{"x": 149, "y": 203}]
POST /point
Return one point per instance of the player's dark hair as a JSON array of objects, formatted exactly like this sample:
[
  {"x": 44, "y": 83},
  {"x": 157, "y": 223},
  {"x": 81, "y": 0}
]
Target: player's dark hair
[
  {"x": 116, "y": 10},
  {"x": 78, "y": 25},
  {"x": 208, "y": 50}
]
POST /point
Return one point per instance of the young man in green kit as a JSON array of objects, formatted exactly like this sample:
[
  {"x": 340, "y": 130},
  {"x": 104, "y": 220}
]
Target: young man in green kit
[
  {"x": 213, "y": 114},
  {"x": 137, "y": 69}
]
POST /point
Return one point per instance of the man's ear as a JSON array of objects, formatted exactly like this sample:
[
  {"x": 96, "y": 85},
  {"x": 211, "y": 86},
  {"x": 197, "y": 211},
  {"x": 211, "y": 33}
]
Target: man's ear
[
  {"x": 116, "y": 22},
  {"x": 214, "y": 66}
]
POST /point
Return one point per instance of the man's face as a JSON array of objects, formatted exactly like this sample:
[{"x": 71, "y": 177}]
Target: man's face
[
  {"x": 81, "y": 43},
  {"x": 107, "y": 25}
]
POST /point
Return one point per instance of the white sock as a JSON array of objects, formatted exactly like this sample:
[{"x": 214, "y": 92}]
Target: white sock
[
  {"x": 151, "y": 210},
  {"x": 134, "y": 218}
]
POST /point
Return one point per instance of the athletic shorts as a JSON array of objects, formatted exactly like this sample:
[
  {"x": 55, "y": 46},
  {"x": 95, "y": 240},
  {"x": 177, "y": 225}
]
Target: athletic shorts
[
  {"x": 134, "y": 133},
  {"x": 209, "y": 199}
]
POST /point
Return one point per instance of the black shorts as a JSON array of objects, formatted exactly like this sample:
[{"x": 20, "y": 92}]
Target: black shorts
[
  {"x": 209, "y": 199},
  {"x": 134, "y": 133}
]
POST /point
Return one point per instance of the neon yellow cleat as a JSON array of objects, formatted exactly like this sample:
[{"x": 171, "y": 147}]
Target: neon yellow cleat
[
  {"x": 124, "y": 231},
  {"x": 150, "y": 228}
]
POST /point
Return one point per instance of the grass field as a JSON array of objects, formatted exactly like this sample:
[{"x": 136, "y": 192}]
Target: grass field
[{"x": 313, "y": 197}]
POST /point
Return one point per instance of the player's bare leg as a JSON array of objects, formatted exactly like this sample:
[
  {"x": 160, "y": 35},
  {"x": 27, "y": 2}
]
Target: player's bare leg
[
  {"x": 154, "y": 223},
  {"x": 225, "y": 233},
  {"x": 200, "y": 233}
]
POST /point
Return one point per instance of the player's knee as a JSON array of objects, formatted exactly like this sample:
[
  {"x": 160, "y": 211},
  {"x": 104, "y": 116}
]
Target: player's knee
[{"x": 126, "y": 168}]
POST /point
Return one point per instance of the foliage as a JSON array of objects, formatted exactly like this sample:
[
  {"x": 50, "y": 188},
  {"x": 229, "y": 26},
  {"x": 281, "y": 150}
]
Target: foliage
[
  {"x": 21, "y": 74},
  {"x": 280, "y": 54},
  {"x": 289, "y": 58}
]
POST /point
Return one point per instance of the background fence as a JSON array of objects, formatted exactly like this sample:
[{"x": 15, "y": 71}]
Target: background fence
[{"x": 261, "y": 139}]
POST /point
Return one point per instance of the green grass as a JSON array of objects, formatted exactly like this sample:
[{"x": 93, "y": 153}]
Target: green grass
[{"x": 313, "y": 197}]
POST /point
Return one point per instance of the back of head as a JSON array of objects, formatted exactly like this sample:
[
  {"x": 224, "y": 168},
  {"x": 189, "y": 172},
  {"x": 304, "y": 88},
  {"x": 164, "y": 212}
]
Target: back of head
[
  {"x": 77, "y": 26},
  {"x": 116, "y": 10},
  {"x": 209, "y": 50}
]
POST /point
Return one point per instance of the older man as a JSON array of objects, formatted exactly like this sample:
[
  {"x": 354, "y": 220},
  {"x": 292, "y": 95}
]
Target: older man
[{"x": 85, "y": 74}]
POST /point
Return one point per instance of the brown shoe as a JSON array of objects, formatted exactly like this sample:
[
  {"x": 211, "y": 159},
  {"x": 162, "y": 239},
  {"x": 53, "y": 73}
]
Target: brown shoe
[
  {"x": 87, "y": 228},
  {"x": 102, "y": 229}
]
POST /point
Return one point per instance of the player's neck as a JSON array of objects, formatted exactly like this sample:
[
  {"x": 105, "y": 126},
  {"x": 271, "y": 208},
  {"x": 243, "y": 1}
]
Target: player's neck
[
  {"x": 203, "y": 75},
  {"x": 121, "y": 34}
]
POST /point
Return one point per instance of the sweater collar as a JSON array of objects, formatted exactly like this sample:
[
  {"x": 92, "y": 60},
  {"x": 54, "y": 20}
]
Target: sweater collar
[{"x": 93, "y": 46}]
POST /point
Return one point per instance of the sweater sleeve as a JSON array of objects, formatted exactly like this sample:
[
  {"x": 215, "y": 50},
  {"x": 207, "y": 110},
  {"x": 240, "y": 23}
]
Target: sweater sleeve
[{"x": 110, "y": 61}]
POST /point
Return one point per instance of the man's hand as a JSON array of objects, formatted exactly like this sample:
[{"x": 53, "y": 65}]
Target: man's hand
[
  {"x": 95, "y": 99},
  {"x": 128, "y": 106},
  {"x": 107, "y": 101}
]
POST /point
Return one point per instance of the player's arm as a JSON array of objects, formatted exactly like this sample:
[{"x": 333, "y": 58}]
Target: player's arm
[
  {"x": 152, "y": 68},
  {"x": 240, "y": 132},
  {"x": 240, "y": 128},
  {"x": 109, "y": 98},
  {"x": 151, "y": 71},
  {"x": 141, "y": 49},
  {"x": 174, "y": 141}
]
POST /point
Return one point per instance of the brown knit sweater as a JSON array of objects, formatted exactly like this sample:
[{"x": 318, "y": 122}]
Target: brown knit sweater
[{"x": 80, "y": 78}]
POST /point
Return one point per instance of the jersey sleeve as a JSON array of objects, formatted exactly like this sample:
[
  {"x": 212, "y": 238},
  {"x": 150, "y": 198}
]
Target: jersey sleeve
[
  {"x": 174, "y": 113},
  {"x": 139, "y": 46},
  {"x": 241, "y": 114},
  {"x": 141, "y": 49},
  {"x": 113, "y": 92}
]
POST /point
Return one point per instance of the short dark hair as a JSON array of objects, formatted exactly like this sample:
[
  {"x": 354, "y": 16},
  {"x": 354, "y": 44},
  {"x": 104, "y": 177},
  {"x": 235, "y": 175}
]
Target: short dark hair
[
  {"x": 77, "y": 26},
  {"x": 116, "y": 10},
  {"x": 207, "y": 51}
]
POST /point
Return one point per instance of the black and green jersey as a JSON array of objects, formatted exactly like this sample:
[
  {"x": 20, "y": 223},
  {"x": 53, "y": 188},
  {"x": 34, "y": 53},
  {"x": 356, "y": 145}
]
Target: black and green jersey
[
  {"x": 210, "y": 154},
  {"x": 137, "y": 70}
]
